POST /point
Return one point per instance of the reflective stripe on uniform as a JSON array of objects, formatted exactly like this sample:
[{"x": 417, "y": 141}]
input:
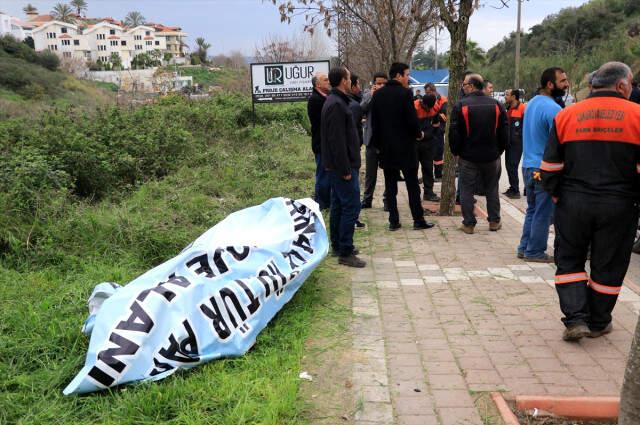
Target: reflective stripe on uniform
[
  {"x": 604, "y": 289},
  {"x": 571, "y": 277},
  {"x": 465, "y": 115},
  {"x": 551, "y": 166},
  {"x": 638, "y": 167},
  {"x": 438, "y": 162}
]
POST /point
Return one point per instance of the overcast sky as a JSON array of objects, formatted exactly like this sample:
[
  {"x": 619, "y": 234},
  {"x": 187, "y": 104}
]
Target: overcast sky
[{"x": 243, "y": 24}]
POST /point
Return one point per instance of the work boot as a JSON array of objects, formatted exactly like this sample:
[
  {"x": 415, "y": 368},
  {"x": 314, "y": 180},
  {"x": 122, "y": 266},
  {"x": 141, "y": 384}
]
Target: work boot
[
  {"x": 365, "y": 205},
  {"x": 394, "y": 226},
  {"x": 421, "y": 225},
  {"x": 575, "y": 332},
  {"x": 607, "y": 330},
  {"x": 351, "y": 261},
  {"x": 467, "y": 229},
  {"x": 544, "y": 258},
  {"x": 336, "y": 253},
  {"x": 359, "y": 225},
  {"x": 495, "y": 226},
  {"x": 512, "y": 193},
  {"x": 520, "y": 255}
]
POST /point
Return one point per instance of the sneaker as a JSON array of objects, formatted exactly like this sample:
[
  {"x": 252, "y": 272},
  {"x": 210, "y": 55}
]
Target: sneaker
[
  {"x": 495, "y": 226},
  {"x": 520, "y": 255},
  {"x": 365, "y": 205},
  {"x": 360, "y": 225},
  {"x": 351, "y": 261},
  {"x": 575, "y": 332},
  {"x": 431, "y": 197},
  {"x": 544, "y": 258},
  {"x": 336, "y": 253},
  {"x": 607, "y": 330},
  {"x": 421, "y": 225},
  {"x": 467, "y": 229},
  {"x": 394, "y": 226}
]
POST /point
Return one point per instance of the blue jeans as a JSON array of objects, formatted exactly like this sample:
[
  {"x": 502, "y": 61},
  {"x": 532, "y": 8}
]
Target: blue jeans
[
  {"x": 323, "y": 186},
  {"x": 345, "y": 209},
  {"x": 535, "y": 232}
]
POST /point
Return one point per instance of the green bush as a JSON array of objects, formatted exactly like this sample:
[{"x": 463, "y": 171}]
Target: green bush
[{"x": 48, "y": 60}]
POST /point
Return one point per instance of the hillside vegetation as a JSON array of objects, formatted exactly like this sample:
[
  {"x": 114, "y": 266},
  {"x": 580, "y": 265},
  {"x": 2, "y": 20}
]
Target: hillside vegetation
[
  {"x": 31, "y": 83},
  {"x": 577, "y": 39}
]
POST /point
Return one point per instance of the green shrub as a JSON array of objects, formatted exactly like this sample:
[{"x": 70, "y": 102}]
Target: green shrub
[{"x": 48, "y": 60}]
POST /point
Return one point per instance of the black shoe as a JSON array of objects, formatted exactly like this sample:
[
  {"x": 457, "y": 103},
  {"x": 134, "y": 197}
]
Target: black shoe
[
  {"x": 394, "y": 226},
  {"x": 360, "y": 225},
  {"x": 431, "y": 197},
  {"x": 421, "y": 225},
  {"x": 351, "y": 261},
  {"x": 385, "y": 207},
  {"x": 575, "y": 333},
  {"x": 512, "y": 193},
  {"x": 336, "y": 253},
  {"x": 365, "y": 205},
  {"x": 606, "y": 330}
]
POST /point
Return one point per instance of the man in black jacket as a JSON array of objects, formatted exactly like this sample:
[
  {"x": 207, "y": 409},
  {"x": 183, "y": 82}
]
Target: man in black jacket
[
  {"x": 478, "y": 137},
  {"x": 321, "y": 89},
  {"x": 340, "y": 150},
  {"x": 396, "y": 129}
]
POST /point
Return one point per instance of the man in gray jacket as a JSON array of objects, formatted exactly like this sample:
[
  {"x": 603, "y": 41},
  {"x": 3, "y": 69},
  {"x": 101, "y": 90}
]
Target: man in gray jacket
[{"x": 371, "y": 155}]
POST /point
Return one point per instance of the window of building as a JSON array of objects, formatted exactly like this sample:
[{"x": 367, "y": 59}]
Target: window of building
[
  {"x": 87, "y": 55},
  {"x": 149, "y": 43},
  {"x": 76, "y": 42},
  {"x": 53, "y": 47},
  {"x": 66, "y": 42},
  {"x": 147, "y": 33},
  {"x": 51, "y": 35},
  {"x": 101, "y": 36},
  {"x": 123, "y": 43},
  {"x": 66, "y": 54},
  {"x": 138, "y": 37},
  {"x": 157, "y": 43},
  {"x": 138, "y": 46},
  {"x": 114, "y": 42},
  {"x": 63, "y": 30},
  {"x": 112, "y": 32},
  {"x": 102, "y": 47}
]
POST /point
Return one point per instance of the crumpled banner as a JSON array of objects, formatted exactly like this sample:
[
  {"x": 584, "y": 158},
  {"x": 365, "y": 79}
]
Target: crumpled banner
[{"x": 210, "y": 301}]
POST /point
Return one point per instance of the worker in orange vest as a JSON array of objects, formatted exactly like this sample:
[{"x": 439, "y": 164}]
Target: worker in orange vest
[
  {"x": 440, "y": 108},
  {"x": 513, "y": 153}
]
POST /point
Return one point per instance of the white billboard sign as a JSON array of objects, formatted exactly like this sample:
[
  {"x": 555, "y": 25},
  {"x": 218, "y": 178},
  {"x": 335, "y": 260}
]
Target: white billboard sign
[{"x": 284, "y": 82}]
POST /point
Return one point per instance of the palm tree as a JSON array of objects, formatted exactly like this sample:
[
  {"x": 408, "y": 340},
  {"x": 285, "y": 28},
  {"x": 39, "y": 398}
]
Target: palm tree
[
  {"x": 29, "y": 8},
  {"x": 476, "y": 56},
  {"x": 203, "y": 46},
  {"x": 63, "y": 12},
  {"x": 133, "y": 19},
  {"x": 79, "y": 5}
]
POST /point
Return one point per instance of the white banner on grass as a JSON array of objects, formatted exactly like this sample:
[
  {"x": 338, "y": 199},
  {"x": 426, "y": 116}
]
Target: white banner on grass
[{"x": 210, "y": 301}]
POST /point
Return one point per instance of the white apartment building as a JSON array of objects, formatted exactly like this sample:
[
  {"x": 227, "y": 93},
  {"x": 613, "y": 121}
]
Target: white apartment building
[
  {"x": 98, "y": 42},
  {"x": 13, "y": 26}
]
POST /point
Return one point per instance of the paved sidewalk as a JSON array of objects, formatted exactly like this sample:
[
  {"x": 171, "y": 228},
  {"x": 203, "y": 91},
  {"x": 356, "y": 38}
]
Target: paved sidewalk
[{"x": 440, "y": 316}]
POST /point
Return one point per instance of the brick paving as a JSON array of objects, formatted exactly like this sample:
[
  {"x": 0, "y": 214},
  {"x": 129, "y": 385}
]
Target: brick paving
[{"x": 441, "y": 316}]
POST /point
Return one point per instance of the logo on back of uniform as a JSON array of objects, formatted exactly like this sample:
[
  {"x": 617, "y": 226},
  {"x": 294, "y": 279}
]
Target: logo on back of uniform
[{"x": 274, "y": 75}]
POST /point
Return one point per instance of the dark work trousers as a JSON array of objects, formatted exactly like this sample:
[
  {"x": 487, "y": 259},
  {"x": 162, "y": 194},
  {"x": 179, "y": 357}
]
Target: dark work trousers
[
  {"x": 438, "y": 159},
  {"x": 512, "y": 156},
  {"x": 476, "y": 175},
  {"x": 370, "y": 174},
  {"x": 426, "y": 154},
  {"x": 391, "y": 177},
  {"x": 323, "y": 187},
  {"x": 345, "y": 209},
  {"x": 609, "y": 226}
]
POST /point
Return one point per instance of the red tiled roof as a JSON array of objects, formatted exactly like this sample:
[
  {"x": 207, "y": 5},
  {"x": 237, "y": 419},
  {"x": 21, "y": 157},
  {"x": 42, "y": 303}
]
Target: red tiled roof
[
  {"x": 65, "y": 36},
  {"x": 113, "y": 37},
  {"x": 42, "y": 18},
  {"x": 148, "y": 38}
]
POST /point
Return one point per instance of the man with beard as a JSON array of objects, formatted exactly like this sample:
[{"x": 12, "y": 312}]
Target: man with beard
[
  {"x": 538, "y": 121},
  {"x": 513, "y": 153}
]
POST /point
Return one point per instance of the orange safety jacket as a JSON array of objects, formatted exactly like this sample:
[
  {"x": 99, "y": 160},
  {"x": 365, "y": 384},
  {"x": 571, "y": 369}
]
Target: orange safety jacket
[{"x": 594, "y": 148}]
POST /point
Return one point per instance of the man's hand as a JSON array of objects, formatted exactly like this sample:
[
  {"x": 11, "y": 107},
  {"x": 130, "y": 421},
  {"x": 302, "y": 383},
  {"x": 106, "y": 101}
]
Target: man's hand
[
  {"x": 555, "y": 199},
  {"x": 421, "y": 136},
  {"x": 347, "y": 177}
]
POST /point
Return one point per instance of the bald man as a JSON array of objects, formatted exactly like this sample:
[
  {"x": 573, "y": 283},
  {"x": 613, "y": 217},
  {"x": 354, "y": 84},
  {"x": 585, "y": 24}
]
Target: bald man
[{"x": 321, "y": 88}]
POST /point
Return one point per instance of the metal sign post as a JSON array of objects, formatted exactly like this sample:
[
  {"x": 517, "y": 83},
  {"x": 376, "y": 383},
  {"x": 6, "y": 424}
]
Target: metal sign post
[{"x": 283, "y": 82}]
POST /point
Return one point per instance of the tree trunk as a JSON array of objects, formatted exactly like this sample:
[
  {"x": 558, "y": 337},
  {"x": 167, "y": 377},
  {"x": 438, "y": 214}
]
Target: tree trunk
[
  {"x": 630, "y": 399},
  {"x": 457, "y": 63}
]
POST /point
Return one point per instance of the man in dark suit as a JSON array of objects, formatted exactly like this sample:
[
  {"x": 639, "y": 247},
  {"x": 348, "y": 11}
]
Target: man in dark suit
[
  {"x": 340, "y": 147},
  {"x": 396, "y": 129},
  {"x": 321, "y": 89}
]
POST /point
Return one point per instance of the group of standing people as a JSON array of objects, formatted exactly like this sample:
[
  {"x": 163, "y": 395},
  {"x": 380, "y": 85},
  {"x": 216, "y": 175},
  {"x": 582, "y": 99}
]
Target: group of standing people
[{"x": 580, "y": 169}]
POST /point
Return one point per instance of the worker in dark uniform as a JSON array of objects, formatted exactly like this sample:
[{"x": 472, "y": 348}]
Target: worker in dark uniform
[
  {"x": 513, "y": 153},
  {"x": 440, "y": 108},
  {"x": 426, "y": 148},
  {"x": 590, "y": 168}
]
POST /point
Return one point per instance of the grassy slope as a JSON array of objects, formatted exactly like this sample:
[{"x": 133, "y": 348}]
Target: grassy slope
[
  {"x": 53, "y": 89},
  {"x": 41, "y": 347}
]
